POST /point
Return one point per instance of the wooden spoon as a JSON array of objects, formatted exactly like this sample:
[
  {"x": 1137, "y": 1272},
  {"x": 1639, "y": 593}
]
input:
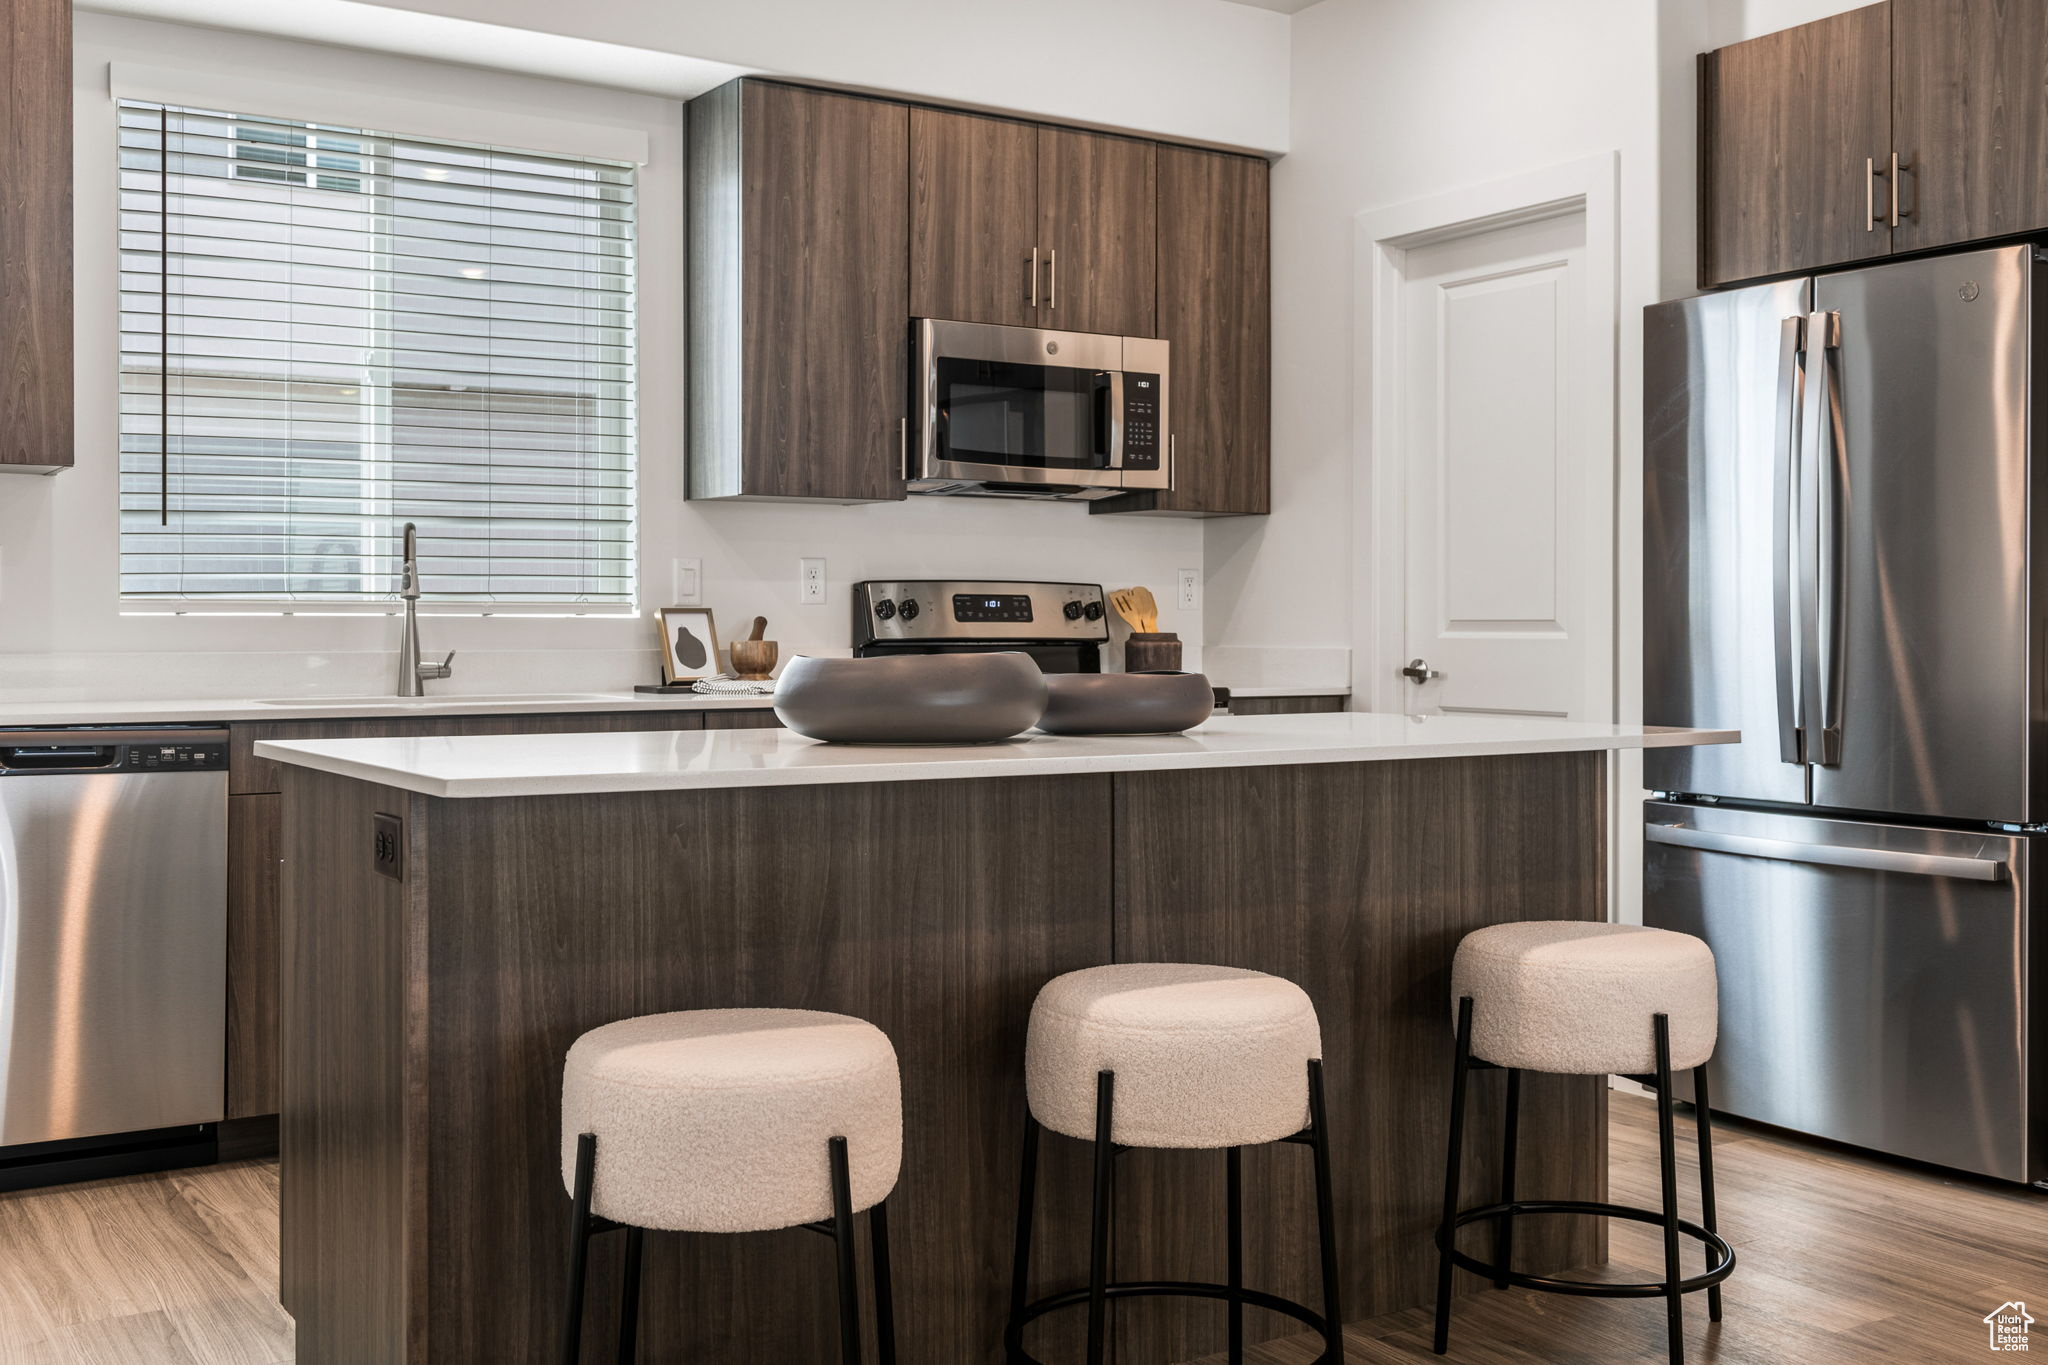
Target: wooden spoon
[{"x": 1148, "y": 609}]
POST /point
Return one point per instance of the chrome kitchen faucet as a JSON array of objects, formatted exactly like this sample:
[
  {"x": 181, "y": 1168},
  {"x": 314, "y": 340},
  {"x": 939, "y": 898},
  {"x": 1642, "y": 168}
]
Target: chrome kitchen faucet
[{"x": 411, "y": 672}]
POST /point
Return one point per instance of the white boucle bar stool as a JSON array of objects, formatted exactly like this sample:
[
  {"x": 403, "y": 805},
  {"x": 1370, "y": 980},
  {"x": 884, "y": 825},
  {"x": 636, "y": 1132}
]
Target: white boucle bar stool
[
  {"x": 1158, "y": 1054},
  {"x": 734, "y": 1121},
  {"x": 1585, "y": 999}
]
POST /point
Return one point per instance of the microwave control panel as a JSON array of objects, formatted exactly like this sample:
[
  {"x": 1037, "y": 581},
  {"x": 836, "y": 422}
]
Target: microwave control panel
[{"x": 1141, "y": 421}]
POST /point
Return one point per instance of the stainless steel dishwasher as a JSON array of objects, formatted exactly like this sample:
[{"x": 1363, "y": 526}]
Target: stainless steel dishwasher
[{"x": 113, "y": 949}]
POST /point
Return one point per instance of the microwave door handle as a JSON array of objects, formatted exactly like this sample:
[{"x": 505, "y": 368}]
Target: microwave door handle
[
  {"x": 1115, "y": 444},
  {"x": 1785, "y": 546}
]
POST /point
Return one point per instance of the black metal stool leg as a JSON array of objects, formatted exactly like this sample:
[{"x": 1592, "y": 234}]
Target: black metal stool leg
[
  {"x": 629, "y": 1299},
  {"x": 1326, "y": 1215},
  {"x": 1504, "y": 1250},
  {"x": 579, "y": 1247},
  {"x": 1703, "y": 1119},
  {"x": 885, "y": 1287},
  {"x": 1098, "y": 1242},
  {"x": 842, "y": 1238},
  {"x": 1667, "y": 1160},
  {"x": 1233, "y": 1180},
  {"x": 1447, "y": 1230},
  {"x": 1027, "y": 1190}
]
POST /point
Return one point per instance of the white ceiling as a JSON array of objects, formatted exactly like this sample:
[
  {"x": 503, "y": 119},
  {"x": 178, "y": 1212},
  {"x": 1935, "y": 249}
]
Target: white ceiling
[{"x": 1279, "y": 6}]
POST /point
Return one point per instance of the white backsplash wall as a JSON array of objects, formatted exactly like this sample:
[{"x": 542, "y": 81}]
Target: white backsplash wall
[{"x": 62, "y": 627}]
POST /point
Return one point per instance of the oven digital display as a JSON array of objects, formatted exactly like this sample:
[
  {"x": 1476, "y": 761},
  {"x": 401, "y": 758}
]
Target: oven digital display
[{"x": 991, "y": 607}]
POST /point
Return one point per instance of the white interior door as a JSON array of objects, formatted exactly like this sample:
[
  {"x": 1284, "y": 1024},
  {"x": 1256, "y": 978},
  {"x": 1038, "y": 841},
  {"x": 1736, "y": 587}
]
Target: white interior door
[{"x": 1506, "y": 465}]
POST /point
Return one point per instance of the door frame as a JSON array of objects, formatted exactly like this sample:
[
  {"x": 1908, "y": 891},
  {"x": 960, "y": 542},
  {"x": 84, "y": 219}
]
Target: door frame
[{"x": 1381, "y": 241}]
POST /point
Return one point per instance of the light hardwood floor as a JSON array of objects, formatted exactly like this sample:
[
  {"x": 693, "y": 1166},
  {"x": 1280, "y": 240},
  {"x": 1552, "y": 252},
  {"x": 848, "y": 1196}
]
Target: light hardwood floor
[{"x": 1842, "y": 1261}]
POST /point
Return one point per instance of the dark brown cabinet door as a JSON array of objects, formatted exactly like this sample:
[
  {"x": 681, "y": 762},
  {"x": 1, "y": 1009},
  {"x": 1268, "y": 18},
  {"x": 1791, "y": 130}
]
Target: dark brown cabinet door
[
  {"x": 35, "y": 236},
  {"x": 742, "y": 720},
  {"x": 973, "y": 218},
  {"x": 1215, "y": 308},
  {"x": 799, "y": 314},
  {"x": 1098, "y": 213},
  {"x": 1793, "y": 125},
  {"x": 1970, "y": 117},
  {"x": 253, "y": 867}
]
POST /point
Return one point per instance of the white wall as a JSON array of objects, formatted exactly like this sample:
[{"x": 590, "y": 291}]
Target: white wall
[
  {"x": 61, "y": 626},
  {"x": 1201, "y": 70}
]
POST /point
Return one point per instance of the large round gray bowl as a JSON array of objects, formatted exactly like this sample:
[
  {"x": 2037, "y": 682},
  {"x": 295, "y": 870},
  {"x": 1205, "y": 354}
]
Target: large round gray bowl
[
  {"x": 912, "y": 698},
  {"x": 1144, "y": 703}
]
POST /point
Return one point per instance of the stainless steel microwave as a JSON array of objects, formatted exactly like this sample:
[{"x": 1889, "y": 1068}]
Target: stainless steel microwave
[{"x": 1020, "y": 412}]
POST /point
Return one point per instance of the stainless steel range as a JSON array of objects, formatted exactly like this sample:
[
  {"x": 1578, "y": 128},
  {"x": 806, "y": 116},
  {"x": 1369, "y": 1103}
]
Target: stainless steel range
[{"x": 1061, "y": 625}]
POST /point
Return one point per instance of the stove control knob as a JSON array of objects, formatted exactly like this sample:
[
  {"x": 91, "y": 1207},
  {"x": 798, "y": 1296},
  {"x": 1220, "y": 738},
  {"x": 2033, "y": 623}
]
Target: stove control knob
[
  {"x": 1093, "y": 611},
  {"x": 1072, "y": 611},
  {"x": 884, "y": 609},
  {"x": 909, "y": 610}
]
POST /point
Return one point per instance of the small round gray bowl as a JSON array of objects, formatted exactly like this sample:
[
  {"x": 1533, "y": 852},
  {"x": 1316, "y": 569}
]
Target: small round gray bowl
[
  {"x": 1144, "y": 703},
  {"x": 912, "y": 698}
]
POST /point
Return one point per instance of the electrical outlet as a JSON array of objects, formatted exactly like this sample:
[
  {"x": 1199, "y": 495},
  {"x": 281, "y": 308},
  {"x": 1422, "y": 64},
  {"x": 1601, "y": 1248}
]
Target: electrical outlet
[
  {"x": 387, "y": 845},
  {"x": 811, "y": 582},
  {"x": 1190, "y": 589},
  {"x": 686, "y": 583}
]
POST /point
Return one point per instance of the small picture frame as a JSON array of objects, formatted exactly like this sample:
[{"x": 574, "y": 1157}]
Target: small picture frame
[{"x": 689, "y": 644}]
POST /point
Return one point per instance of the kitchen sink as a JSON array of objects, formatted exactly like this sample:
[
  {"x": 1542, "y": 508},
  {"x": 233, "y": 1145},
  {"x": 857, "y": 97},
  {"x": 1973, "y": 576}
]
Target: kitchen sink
[{"x": 481, "y": 700}]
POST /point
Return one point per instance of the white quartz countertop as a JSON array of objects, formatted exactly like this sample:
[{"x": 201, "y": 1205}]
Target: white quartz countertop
[
  {"x": 557, "y": 765},
  {"x": 199, "y": 709}
]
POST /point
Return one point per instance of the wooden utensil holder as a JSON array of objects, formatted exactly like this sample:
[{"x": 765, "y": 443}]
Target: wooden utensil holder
[{"x": 1152, "y": 651}]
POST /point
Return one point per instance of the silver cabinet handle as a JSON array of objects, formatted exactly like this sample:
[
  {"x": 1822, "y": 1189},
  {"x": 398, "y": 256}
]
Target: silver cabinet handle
[
  {"x": 1895, "y": 189},
  {"x": 1052, "y": 284},
  {"x": 1829, "y": 855},
  {"x": 1870, "y": 194},
  {"x": 903, "y": 444},
  {"x": 1791, "y": 636},
  {"x": 1419, "y": 672},
  {"x": 1031, "y": 288}
]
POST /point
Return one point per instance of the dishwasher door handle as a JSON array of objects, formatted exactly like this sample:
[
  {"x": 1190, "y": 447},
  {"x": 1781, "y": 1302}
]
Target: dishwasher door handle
[{"x": 1830, "y": 855}]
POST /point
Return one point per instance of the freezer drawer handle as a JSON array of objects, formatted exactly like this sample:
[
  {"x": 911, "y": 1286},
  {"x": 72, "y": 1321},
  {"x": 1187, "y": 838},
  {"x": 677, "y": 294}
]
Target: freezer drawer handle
[{"x": 1831, "y": 855}]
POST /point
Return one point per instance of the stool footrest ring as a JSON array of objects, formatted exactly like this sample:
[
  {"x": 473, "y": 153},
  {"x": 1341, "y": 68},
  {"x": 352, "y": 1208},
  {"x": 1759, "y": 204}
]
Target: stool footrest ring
[
  {"x": 1013, "y": 1334},
  {"x": 1722, "y": 1267}
]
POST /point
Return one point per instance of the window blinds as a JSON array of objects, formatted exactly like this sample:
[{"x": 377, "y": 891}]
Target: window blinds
[{"x": 328, "y": 332}]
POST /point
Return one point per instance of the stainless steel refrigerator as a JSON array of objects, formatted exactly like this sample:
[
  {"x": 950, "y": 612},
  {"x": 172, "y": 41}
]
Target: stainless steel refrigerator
[{"x": 1844, "y": 488}]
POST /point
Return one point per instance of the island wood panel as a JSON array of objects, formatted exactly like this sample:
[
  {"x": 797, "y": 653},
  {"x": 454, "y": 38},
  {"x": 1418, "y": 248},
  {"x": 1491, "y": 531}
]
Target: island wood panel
[
  {"x": 973, "y": 218},
  {"x": 1098, "y": 209},
  {"x": 350, "y": 1256},
  {"x": 934, "y": 909},
  {"x": 1285, "y": 706},
  {"x": 1355, "y": 880},
  {"x": 1788, "y": 123},
  {"x": 254, "y": 831},
  {"x": 35, "y": 236},
  {"x": 248, "y": 774},
  {"x": 1970, "y": 119}
]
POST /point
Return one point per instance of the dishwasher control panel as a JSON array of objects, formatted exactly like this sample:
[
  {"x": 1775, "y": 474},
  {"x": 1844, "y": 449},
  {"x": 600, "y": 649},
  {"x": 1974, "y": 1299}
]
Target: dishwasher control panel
[{"x": 89, "y": 750}]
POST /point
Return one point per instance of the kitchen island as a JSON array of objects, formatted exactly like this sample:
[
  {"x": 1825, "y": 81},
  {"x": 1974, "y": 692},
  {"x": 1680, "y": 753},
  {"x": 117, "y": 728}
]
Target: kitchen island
[{"x": 528, "y": 888}]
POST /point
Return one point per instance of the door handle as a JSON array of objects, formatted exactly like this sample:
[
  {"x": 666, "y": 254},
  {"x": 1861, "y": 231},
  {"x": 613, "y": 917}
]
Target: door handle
[
  {"x": 1829, "y": 855},
  {"x": 1031, "y": 282},
  {"x": 1870, "y": 194},
  {"x": 1052, "y": 277},
  {"x": 1823, "y": 339},
  {"x": 1419, "y": 672},
  {"x": 1790, "y": 636},
  {"x": 1895, "y": 189}
]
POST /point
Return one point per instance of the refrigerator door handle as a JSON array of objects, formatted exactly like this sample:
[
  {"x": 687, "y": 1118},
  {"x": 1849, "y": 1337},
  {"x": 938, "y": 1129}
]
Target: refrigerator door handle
[
  {"x": 1824, "y": 439},
  {"x": 1830, "y": 855},
  {"x": 1790, "y": 635}
]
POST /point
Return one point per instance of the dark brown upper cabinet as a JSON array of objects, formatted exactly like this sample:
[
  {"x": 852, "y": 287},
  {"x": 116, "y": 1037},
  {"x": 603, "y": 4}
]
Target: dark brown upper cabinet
[
  {"x": 1215, "y": 307},
  {"x": 1970, "y": 119},
  {"x": 35, "y": 236},
  {"x": 1795, "y": 146},
  {"x": 1098, "y": 215},
  {"x": 799, "y": 244},
  {"x": 973, "y": 218}
]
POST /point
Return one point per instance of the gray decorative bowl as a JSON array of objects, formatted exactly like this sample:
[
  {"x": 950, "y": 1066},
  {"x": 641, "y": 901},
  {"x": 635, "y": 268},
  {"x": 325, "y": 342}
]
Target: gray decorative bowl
[
  {"x": 1144, "y": 703},
  {"x": 912, "y": 698}
]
